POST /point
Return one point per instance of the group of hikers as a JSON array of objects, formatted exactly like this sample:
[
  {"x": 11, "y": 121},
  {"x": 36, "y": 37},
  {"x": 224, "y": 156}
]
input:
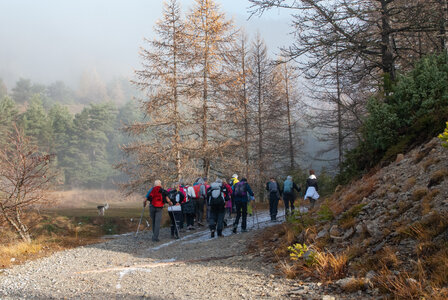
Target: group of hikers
[{"x": 187, "y": 202}]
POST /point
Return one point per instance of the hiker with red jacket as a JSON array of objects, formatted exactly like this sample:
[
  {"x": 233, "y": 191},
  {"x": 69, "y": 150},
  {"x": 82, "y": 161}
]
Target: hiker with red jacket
[
  {"x": 240, "y": 199},
  {"x": 198, "y": 194},
  {"x": 157, "y": 197}
]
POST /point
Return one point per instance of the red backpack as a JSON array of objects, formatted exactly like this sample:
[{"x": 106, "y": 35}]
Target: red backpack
[{"x": 197, "y": 190}]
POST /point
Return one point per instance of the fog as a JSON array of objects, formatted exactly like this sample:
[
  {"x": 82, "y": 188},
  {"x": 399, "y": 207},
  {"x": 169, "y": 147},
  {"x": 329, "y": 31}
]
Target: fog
[{"x": 49, "y": 40}]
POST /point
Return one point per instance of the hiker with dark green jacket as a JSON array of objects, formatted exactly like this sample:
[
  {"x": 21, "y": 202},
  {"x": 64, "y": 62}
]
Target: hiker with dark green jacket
[
  {"x": 288, "y": 194},
  {"x": 274, "y": 195}
]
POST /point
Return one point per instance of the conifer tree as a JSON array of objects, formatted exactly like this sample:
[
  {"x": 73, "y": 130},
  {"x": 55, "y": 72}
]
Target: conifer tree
[
  {"x": 164, "y": 138},
  {"x": 210, "y": 37}
]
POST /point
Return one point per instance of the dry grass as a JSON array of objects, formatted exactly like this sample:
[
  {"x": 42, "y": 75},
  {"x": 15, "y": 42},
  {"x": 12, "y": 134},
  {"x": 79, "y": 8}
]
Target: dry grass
[
  {"x": 268, "y": 240},
  {"x": 389, "y": 258},
  {"x": 331, "y": 267},
  {"x": 363, "y": 189},
  {"x": 436, "y": 264},
  {"x": 429, "y": 162},
  {"x": 427, "y": 201},
  {"x": 395, "y": 189},
  {"x": 401, "y": 286},
  {"x": 385, "y": 257},
  {"x": 347, "y": 223},
  {"x": 357, "y": 284},
  {"x": 405, "y": 286},
  {"x": 419, "y": 157},
  {"x": 289, "y": 270},
  {"x": 91, "y": 198},
  {"x": 410, "y": 183},
  {"x": 438, "y": 176},
  {"x": 53, "y": 232},
  {"x": 287, "y": 237},
  {"x": 419, "y": 193}
]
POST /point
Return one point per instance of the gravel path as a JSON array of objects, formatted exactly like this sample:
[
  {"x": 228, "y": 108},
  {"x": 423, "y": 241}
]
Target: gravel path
[{"x": 193, "y": 267}]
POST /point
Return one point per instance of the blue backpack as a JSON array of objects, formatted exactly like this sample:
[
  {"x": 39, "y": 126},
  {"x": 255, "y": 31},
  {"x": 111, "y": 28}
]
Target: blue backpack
[{"x": 287, "y": 187}]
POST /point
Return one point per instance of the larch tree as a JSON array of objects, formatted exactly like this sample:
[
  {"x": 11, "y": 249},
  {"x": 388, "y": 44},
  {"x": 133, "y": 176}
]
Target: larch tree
[
  {"x": 210, "y": 38},
  {"x": 237, "y": 105},
  {"x": 261, "y": 69},
  {"x": 163, "y": 140}
]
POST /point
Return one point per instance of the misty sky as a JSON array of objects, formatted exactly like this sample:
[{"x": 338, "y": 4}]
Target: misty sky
[{"x": 49, "y": 40}]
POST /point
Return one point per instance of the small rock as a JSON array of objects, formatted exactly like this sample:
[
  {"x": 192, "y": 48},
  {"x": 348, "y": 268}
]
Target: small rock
[
  {"x": 328, "y": 297},
  {"x": 13, "y": 259},
  {"x": 323, "y": 233},
  {"x": 335, "y": 231},
  {"x": 379, "y": 247},
  {"x": 348, "y": 233}
]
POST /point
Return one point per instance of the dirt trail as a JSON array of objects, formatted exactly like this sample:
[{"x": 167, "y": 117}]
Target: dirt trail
[{"x": 193, "y": 267}]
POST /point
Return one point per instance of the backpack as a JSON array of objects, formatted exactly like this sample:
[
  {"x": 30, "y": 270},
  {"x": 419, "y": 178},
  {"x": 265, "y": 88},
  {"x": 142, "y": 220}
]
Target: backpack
[
  {"x": 197, "y": 190},
  {"x": 273, "y": 188},
  {"x": 287, "y": 187},
  {"x": 241, "y": 189},
  {"x": 216, "y": 198},
  {"x": 172, "y": 195}
]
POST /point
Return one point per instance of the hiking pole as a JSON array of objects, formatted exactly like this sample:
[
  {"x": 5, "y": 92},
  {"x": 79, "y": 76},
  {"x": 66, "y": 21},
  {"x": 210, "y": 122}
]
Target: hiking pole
[
  {"x": 175, "y": 224},
  {"x": 256, "y": 215},
  {"x": 140, "y": 222}
]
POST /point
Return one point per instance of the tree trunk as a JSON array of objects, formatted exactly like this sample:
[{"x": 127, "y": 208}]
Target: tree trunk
[
  {"x": 387, "y": 58},
  {"x": 245, "y": 103},
  {"x": 288, "y": 108},
  {"x": 442, "y": 25},
  {"x": 17, "y": 224},
  {"x": 340, "y": 138},
  {"x": 206, "y": 158},
  {"x": 176, "y": 109}
]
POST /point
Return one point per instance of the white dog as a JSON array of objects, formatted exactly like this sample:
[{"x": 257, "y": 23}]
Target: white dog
[{"x": 102, "y": 209}]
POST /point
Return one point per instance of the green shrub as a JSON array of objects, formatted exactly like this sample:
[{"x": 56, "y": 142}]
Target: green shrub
[
  {"x": 325, "y": 213},
  {"x": 413, "y": 112}
]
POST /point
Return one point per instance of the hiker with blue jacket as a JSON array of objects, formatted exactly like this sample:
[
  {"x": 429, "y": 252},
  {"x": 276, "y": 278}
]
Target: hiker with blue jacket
[
  {"x": 241, "y": 190},
  {"x": 275, "y": 193},
  {"x": 288, "y": 194}
]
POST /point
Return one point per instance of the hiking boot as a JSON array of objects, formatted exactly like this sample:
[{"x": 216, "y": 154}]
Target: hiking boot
[
  {"x": 220, "y": 234},
  {"x": 234, "y": 229},
  {"x": 212, "y": 234}
]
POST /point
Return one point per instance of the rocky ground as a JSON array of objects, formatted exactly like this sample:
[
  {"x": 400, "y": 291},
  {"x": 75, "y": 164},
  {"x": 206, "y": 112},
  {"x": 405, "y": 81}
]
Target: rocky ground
[{"x": 194, "y": 267}]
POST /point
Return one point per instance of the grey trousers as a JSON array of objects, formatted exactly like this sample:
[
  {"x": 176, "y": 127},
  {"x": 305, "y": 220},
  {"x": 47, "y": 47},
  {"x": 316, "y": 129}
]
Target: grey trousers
[{"x": 156, "y": 217}]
